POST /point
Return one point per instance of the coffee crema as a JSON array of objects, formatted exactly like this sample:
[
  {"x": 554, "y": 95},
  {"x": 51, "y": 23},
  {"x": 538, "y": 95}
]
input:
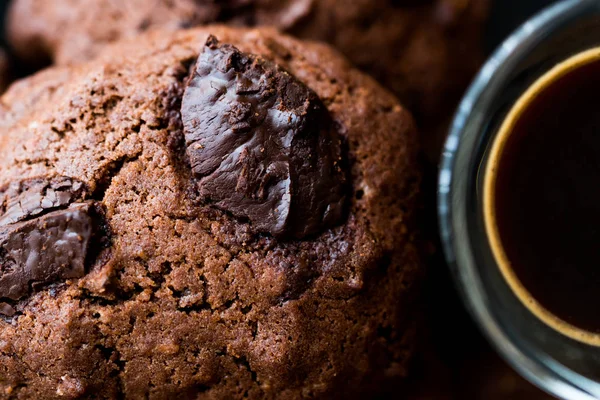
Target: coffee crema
[{"x": 542, "y": 198}]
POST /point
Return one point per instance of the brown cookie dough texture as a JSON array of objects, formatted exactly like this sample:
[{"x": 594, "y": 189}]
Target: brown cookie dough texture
[
  {"x": 425, "y": 51},
  {"x": 126, "y": 271}
]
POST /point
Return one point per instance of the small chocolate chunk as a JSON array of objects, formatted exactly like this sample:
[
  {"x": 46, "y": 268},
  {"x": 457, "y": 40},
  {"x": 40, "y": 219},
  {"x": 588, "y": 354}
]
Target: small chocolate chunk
[
  {"x": 43, "y": 250},
  {"x": 30, "y": 198},
  {"x": 262, "y": 144}
]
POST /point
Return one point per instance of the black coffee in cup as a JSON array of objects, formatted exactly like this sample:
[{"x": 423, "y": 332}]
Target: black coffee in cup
[{"x": 542, "y": 198}]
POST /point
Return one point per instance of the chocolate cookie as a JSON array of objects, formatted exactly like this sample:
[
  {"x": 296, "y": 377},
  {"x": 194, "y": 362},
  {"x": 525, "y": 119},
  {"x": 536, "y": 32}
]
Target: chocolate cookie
[
  {"x": 210, "y": 213},
  {"x": 425, "y": 51}
]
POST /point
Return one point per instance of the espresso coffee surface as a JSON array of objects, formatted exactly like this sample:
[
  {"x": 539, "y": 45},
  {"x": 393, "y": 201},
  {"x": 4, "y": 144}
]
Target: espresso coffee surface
[{"x": 545, "y": 198}]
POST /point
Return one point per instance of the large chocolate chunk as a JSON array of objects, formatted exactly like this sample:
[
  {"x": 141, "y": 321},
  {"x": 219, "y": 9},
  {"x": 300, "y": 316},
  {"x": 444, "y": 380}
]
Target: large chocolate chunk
[
  {"x": 29, "y": 198},
  {"x": 43, "y": 250},
  {"x": 262, "y": 144}
]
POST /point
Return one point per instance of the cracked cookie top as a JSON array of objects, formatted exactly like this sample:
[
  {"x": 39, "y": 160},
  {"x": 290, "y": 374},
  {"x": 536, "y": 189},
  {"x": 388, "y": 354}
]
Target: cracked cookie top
[{"x": 183, "y": 292}]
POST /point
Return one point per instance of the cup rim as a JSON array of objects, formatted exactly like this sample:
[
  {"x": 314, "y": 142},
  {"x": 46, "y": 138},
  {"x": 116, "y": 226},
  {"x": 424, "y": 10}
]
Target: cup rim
[{"x": 546, "y": 374}]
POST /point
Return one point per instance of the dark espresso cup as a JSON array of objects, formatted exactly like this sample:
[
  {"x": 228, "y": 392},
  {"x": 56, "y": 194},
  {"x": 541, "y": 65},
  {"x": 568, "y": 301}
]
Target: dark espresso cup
[{"x": 519, "y": 199}]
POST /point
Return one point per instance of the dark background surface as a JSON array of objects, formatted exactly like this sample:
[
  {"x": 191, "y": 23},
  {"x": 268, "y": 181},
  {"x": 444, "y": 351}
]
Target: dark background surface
[{"x": 507, "y": 15}]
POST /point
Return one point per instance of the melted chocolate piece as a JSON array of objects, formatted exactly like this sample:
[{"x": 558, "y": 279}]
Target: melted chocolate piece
[
  {"x": 30, "y": 198},
  {"x": 261, "y": 143},
  {"x": 43, "y": 250}
]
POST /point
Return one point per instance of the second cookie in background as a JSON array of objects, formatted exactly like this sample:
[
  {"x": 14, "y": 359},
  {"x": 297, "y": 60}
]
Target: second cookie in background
[{"x": 425, "y": 51}]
